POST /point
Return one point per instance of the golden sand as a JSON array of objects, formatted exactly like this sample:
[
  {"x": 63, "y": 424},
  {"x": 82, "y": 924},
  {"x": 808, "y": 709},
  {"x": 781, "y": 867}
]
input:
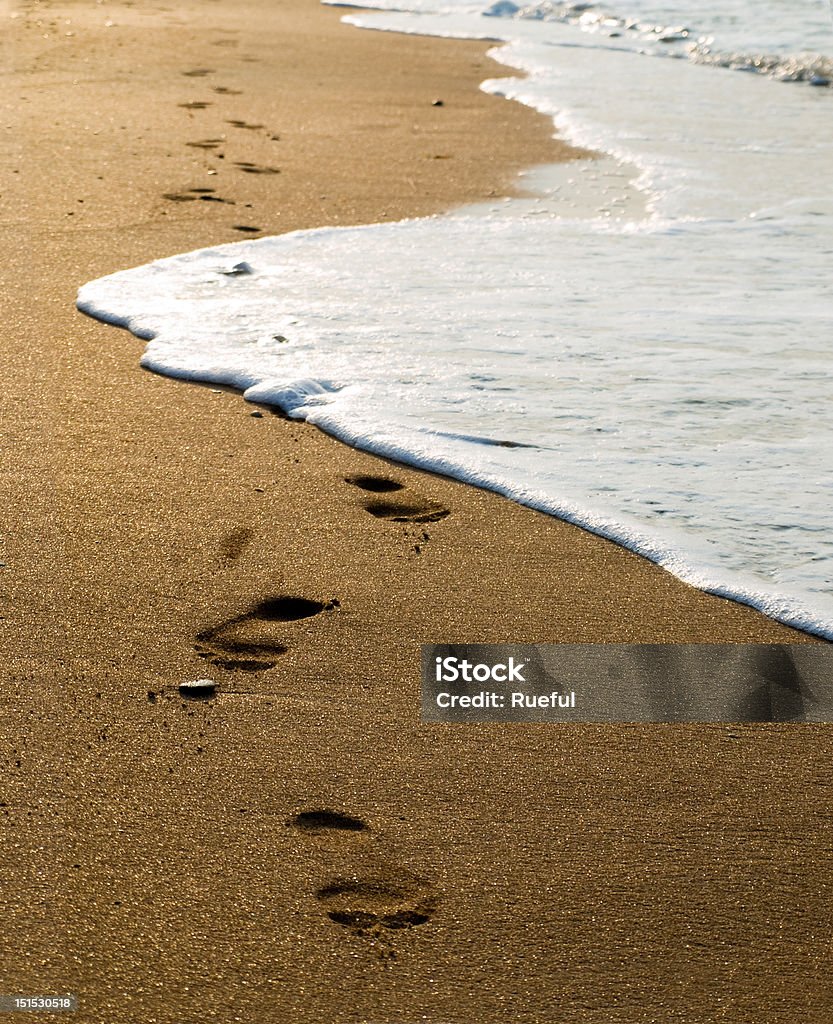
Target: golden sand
[{"x": 173, "y": 861}]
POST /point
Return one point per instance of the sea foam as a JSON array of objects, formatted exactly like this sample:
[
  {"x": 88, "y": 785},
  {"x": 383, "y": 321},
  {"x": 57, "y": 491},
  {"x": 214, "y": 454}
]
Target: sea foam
[{"x": 640, "y": 347}]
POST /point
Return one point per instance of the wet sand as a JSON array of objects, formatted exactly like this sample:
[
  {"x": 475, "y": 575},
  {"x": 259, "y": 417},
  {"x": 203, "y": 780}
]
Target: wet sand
[{"x": 154, "y": 861}]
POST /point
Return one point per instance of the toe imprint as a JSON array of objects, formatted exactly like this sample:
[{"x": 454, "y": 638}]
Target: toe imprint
[{"x": 391, "y": 903}]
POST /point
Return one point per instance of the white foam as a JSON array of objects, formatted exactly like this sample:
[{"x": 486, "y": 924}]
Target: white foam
[
  {"x": 704, "y": 449},
  {"x": 641, "y": 348}
]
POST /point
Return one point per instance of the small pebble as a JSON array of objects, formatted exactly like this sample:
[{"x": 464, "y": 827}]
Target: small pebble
[
  {"x": 198, "y": 689},
  {"x": 438, "y": 103}
]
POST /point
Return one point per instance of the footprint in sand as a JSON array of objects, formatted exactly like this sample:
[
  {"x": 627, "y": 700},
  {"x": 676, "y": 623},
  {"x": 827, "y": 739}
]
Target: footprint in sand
[
  {"x": 408, "y": 511},
  {"x": 390, "y": 899},
  {"x": 376, "y": 484},
  {"x": 248, "y": 168},
  {"x": 323, "y": 820},
  {"x": 373, "y": 900},
  {"x": 245, "y": 124},
  {"x": 195, "y": 105},
  {"x": 199, "y": 72},
  {"x": 402, "y": 509},
  {"x": 254, "y": 641},
  {"x": 235, "y": 542},
  {"x": 206, "y": 143},
  {"x": 205, "y": 195},
  {"x": 224, "y": 90}
]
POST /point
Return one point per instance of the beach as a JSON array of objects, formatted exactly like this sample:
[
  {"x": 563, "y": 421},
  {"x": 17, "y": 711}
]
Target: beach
[{"x": 171, "y": 860}]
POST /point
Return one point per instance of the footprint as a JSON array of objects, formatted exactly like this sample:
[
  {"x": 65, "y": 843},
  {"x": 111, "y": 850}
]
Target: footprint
[
  {"x": 196, "y": 194},
  {"x": 249, "y": 229},
  {"x": 248, "y": 168},
  {"x": 206, "y": 143},
  {"x": 408, "y": 511},
  {"x": 234, "y": 543},
  {"x": 245, "y": 124},
  {"x": 249, "y": 643},
  {"x": 223, "y": 90},
  {"x": 377, "y": 484},
  {"x": 397, "y": 510},
  {"x": 390, "y": 900},
  {"x": 199, "y": 72},
  {"x": 206, "y": 195},
  {"x": 195, "y": 105},
  {"x": 318, "y": 821}
]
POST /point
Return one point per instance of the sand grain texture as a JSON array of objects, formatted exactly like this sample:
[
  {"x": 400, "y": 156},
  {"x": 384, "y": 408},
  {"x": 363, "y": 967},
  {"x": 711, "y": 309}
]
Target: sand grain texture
[{"x": 179, "y": 860}]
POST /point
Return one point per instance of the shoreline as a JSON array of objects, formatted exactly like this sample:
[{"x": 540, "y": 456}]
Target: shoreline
[
  {"x": 562, "y": 867},
  {"x": 394, "y": 454}
]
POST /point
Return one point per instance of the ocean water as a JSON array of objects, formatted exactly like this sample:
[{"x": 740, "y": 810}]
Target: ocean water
[{"x": 641, "y": 345}]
